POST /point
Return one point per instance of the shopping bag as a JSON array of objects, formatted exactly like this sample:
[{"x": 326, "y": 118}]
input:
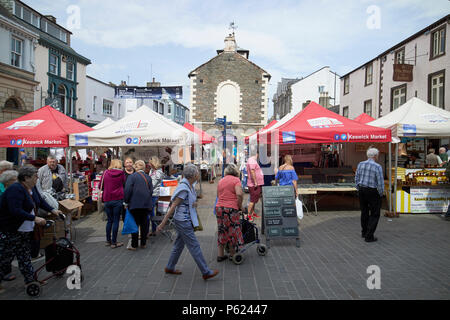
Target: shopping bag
[
  {"x": 299, "y": 206},
  {"x": 215, "y": 204},
  {"x": 129, "y": 225}
]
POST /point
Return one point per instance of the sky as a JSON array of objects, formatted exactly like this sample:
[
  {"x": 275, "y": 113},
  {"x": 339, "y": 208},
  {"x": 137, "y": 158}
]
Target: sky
[{"x": 142, "y": 39}]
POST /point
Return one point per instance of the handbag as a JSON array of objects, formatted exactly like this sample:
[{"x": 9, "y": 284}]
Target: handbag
[
  {"x": 200, "y": 226},
  {"x": 100, "y": 205},
  {"x": 299, "y": 206},
  {"x": 129, "y": 225}
]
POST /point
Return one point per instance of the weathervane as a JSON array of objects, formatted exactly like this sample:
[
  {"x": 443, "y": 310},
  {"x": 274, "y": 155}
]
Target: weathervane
[{"x": 233, "y": 27}]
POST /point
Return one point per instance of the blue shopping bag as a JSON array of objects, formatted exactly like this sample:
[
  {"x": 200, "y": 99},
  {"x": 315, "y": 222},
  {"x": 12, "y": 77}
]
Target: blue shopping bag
[
  {"x": 129, "y": 225},
  {"x": 215, "y": 204}
]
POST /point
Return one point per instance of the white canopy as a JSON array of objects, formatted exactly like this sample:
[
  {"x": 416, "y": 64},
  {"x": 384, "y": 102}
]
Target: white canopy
[
  {"x": 103, "y": 124},
  {"x": 143, "y": 127},
  {"x": 416, "y": 118}
]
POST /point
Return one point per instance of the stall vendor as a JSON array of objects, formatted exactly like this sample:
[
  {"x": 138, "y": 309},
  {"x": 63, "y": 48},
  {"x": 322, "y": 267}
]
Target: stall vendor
[{"x": 411, "y": 162}]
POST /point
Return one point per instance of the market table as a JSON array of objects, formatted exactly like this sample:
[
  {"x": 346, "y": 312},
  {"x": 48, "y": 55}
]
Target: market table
[{"x": 314, "y": 189}]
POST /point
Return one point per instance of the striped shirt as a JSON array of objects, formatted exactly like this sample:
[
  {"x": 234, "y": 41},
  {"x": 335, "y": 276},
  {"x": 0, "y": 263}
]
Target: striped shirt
[{"x": 369, "y": 174}]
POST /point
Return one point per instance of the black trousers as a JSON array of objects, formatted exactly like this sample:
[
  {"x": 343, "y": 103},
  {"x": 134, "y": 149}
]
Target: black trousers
[
  {"x": 370, "y": 202},
  {"x": 140, "y": 217}
]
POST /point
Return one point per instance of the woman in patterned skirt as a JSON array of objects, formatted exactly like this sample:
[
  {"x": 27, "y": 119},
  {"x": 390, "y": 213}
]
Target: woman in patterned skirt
[{"x": 229, "y": 203}]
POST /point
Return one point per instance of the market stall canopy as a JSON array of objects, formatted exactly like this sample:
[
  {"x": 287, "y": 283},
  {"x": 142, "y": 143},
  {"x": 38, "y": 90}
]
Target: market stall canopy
[
  {"x": 103, "y": 124},
  {"x": 43, "y": 128},
  {"x": 143, "y": 127},
  {"x": 316, "y": 124},
  {"x": 205, "y": 138},
  {"x": 416, "y": 118},
  {"x": 364, "y": 118},
  {"x": 270, "y": 125}
]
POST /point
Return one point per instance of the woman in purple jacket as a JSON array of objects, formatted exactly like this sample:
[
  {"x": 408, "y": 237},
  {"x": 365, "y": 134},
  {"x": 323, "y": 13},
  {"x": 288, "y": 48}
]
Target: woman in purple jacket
[{"x": 112, "y": 181}]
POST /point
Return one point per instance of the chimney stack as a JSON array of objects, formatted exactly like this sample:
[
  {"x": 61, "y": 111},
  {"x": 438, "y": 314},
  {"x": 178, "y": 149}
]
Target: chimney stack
[{"x": 51, "y": 18}]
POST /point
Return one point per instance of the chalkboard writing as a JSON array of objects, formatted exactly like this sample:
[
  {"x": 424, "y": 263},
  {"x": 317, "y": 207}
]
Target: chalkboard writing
[{"x": 279, "y": 213}]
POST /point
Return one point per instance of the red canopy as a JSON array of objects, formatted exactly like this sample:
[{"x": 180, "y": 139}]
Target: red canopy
[
  {"x": 43, "y": 128},
  {"x": 316, "y": 124},
  {"x": 271, "y": 124},
  {"x": 206, "y": 138},
  {"x": 364, "y": 118}
]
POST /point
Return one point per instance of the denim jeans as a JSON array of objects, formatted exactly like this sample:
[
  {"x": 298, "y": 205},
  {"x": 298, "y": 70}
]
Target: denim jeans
[
  {"x": 186, "y": 236},
  {"x": 113, "y": 211},
  {"x": 152, "y": 214}
]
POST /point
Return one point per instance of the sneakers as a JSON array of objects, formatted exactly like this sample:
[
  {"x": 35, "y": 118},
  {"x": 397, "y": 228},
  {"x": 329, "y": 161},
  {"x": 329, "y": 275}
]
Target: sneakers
[{"x": 209, "y": 276}]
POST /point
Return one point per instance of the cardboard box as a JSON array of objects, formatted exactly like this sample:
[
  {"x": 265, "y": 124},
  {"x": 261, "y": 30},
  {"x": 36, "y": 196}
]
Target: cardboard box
[
  {"x": 170, "y": 183},
  {"x": 163, "y": 206},
  {"x": 167, "y": 191},
  {"x": 69, "y": 205}
]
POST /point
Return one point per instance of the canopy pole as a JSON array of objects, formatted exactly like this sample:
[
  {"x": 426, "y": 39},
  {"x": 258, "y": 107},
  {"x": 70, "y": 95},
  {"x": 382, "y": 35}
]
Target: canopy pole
[
  {"x": 70, "y": 170},
  {"x": 395, "y": 177},
  {"x": 390, "y": 177}
]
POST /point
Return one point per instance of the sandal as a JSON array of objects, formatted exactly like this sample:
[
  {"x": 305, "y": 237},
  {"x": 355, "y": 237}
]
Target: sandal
[
  {"x": 220, "y": 259},
  {"x": 117, "y": 245},
  {"x": 9, "y": 277}
]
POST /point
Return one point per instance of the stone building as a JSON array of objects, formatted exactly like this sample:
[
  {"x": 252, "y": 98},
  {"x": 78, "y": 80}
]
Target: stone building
[
  {"x": 229, "y": 84},
  {"x": 17, "y": 72}
]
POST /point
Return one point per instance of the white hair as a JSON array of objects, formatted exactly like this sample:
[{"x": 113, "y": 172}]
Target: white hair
[
  {"x": 190, "y": 171},
  {"x": 8, "y": 175},
  {"x": 6, "y": 165},
  {"x": 372, "y": 153}
]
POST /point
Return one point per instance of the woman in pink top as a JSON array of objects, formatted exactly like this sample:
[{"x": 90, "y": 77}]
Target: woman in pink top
[{"x": 229, "y": 203}]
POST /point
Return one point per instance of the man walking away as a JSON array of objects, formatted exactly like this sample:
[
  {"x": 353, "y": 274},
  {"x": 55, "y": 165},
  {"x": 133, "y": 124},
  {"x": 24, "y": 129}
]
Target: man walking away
[{"x": 370, "y": 184}]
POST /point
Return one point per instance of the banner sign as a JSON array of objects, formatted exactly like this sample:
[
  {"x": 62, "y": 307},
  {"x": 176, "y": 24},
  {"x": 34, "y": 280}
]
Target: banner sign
[
  {"x": 148, "y": 92},
  {"x": 289, "y": 137},
  {"x": 425, "y": 200}
]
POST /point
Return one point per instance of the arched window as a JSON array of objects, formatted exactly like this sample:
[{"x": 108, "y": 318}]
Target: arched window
[
  {"x": 12, "y": 103},
  {"x": 62, "y": 95}
]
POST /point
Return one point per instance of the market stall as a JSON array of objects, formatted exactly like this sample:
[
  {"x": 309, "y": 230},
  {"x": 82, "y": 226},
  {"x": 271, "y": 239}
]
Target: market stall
[
  {"x": 418, "y": 188},
  {"x": 140, "y": 135},
  {"x": 43, "y": 128},
  {"x": 316, "y": 125},
  {"x": 364, "y": 118}
]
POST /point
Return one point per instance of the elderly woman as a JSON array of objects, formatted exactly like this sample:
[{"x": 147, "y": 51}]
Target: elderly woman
[
  {"x": 17, "y": 219},
  {"x": 7, "y": 178},
  {"x": 230, "y": 196},
  {"x": 112, "y": 183},
  {"x": 138, "y": 197},
  {"x": 157, "y": 176},
  {"x": 185, "y": 218}
]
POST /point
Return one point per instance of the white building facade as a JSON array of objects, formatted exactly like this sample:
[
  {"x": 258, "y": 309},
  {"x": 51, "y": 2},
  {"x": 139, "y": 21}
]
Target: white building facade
[
  {"x": 101, "y": 103},
  {"x": 371, "y": 88},
  {"x": 322, "y": 87}
]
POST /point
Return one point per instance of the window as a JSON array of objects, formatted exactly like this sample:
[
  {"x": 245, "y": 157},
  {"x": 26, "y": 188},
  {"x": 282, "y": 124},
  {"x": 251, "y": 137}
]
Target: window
[
  {"x": 12, "y": 103},
  {"x": 70, "y": 103},
  {"x": 161, "y": 108},
  {"x": 169, "y": 109},
  {"x": 438, "y": 43},
  {"x": 53, "y": 64},
  {"x": 70, "y": 70},
  {"x": 398, "y": 96},
  {"x": 62, "y": 36},
  {"x": 62, "y": 92},
  {"x": 16, "y": 52},
  {"x": 18, "y": 10},
  {"x": 436, "y": 88},
  {"x": 35, "y": 20},
  {"x": 94, "y": 102},
  {"x": 345, "y": 112},
  {"x": 368, "y": 107},
  {"x": 400, "y": 56},
  {"x": 155, "y": 106},
  {"x": 369, "y": 74},
  {"x": 346, "y": 84},
  {"x": 26, "y": 15},
  {"x": 107, "y": 107},
  {"x": 321, "y": 89}
]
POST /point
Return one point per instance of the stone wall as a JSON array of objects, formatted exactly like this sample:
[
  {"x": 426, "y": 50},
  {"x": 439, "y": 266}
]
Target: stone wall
[{"x": 229, "y": 66}]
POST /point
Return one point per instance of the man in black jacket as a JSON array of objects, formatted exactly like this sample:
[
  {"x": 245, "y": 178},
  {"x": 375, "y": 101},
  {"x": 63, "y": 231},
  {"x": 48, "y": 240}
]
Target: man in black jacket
[{"x": 18, "y": 207}]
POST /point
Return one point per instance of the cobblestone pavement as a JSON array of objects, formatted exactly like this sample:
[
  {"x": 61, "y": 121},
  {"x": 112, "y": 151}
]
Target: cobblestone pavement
[{"x": 412, "y": 252}]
